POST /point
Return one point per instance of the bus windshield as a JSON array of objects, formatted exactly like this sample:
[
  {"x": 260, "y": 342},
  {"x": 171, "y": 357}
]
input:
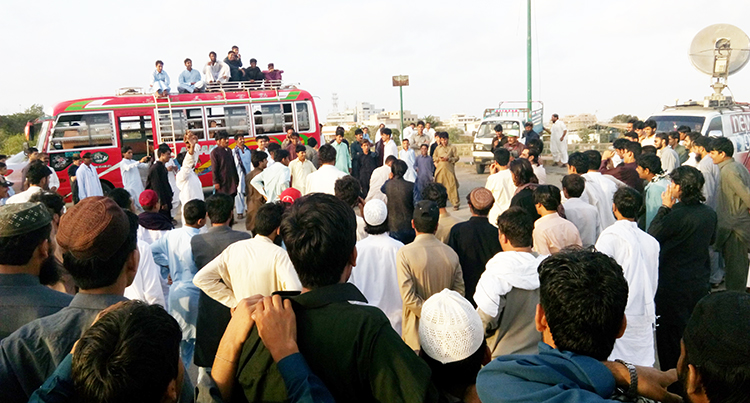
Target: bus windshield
[
  {"x": 672, "y": 123},
  {"x": 487, "y": 129}
]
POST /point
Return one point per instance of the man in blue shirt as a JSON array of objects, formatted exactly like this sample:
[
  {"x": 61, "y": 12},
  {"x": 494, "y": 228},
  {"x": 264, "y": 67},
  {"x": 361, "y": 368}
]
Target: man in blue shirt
[
  {"x": 190, "y": 80},
  {"x": 160, "y": 80},
  {"x": 649, "y": 169},
  {"x": 581, "y": 312}
]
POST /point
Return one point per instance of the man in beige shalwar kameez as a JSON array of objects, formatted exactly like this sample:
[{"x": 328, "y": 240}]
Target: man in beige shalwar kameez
[{"x": 445, "y": 158}]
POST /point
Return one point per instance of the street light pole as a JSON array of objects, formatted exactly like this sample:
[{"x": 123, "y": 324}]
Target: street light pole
[
  {"x": 528, "y": 59},
  {"x": 401, "y": 94},
  {"x": 400, "y": 82}
]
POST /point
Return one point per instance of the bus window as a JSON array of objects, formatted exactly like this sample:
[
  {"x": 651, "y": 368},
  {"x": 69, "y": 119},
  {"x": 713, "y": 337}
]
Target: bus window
[
  {"x": 216, "y": 119},
  {"x": 82, "y": 131},
  {"x": 136, "y": 131},
  {"x": 273, "y": 118},
  {"x": 232, "y": 119},
  {"x": 181, "y": 120},
  {"x": 303, "y": 117}
]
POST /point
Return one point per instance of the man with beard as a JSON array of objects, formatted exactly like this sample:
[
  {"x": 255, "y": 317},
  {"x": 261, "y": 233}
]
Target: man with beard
[{"x": 25, "y": 246}]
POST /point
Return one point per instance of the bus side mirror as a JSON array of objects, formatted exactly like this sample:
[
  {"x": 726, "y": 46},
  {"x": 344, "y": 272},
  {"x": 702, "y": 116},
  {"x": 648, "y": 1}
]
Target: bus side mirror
[{"x": 715, "y": 133}]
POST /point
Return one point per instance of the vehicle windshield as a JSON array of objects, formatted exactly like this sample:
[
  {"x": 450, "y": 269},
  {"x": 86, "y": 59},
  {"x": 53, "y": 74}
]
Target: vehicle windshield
[
  {"x": 487, "y": 129},
  {"x": 672, "y": 123}
]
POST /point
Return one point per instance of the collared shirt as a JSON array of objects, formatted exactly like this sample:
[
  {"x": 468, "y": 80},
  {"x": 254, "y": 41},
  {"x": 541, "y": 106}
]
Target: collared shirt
[
  {"x": 243, "y": 160},
  {"x": 557, "y": 130},
  {"x": 323, "y": 180},
  {"x": 638, "y": 254},
  {"x": 585, "y": 217},
  {"x": 417, "y": 140},
  {"x": 625, "y": 172},
  {"x": 669, "y": 159},
  {"x": 502, "y": 188},
  {"x": 410, "y": 159},
  {"x": 553, "y": 233},
  {"x": 189, "y": 77},
  {"x": 174, "y": 250},
  {"x": 594, "y": 195},
  {"x": 31, "y": 354},
  {"x": 272, "y": 181},
  {"x": 224, "y": 170},
  {"x": 425, "y": 267},
  {"x": 390, "y": 148},
  {"x": 23, "y": 299},
  {"x": 343, "y": 160},
  {"x": 88, "y": 182},
  {"x": 54, "y": 181},
  {"x": 218, "y": 71},
  {"x": 160, "y": 76},
  {"x": 371, "y": 363},
  {"x": 24, "y": 196},
  {"x": 375, "y": 275},
  {"x": 246, "y": 268},
  {"x": 131, "y": 176},
  {"x": 475, "y": 242},
  {"x": 299, "y": 171}
]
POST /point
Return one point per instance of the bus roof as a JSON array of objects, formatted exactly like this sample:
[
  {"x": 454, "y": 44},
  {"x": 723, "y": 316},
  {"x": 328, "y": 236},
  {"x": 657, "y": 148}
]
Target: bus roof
[{"x": 177, "y": 100}]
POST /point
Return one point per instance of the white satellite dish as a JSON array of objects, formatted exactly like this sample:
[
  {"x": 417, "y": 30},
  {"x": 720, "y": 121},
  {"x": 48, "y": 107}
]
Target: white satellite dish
[{"x": 720, "y": 50}]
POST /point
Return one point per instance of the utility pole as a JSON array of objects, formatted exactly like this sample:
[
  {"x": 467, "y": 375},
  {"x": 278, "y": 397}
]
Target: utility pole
[
  {"x": 400, "y": 82},
  {"x": 528, "y": 60}
]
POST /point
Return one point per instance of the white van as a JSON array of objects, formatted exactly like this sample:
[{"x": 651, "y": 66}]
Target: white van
[
  {"x": 512, "y": 115},
  {"x": 732, "y": 122}
]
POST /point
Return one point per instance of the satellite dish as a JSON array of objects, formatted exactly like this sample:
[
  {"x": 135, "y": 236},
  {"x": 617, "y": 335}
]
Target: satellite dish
[{"x": 719, "y": 50}]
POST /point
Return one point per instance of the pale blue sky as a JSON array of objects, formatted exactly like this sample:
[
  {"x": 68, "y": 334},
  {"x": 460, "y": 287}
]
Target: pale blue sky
[{"x": 604, "y": 57}]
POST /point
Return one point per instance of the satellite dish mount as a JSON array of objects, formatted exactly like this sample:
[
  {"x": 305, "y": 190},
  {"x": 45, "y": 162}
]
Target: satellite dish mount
[{"x": 719, "y": 50}]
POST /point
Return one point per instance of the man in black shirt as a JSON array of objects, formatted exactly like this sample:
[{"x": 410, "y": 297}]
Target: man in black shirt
[
  {"x": 72, "y": 177},
  {"x": 158, "y": 180}
]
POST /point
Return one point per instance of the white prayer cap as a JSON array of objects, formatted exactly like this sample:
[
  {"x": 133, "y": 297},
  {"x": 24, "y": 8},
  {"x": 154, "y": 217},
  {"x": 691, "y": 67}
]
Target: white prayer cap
[
  {"x": 450, "y": 329},
  {"x": 375, "y": 212}
]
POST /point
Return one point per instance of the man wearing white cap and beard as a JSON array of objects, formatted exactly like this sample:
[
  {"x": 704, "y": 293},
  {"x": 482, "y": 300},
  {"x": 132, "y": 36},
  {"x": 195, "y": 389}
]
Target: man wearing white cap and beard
[
  {"x": 375, "y": 273},
  {"x": 453, "y": 345}
]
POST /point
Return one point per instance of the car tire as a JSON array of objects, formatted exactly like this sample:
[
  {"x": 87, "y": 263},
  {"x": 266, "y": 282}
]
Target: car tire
[{"x": 480, "y": 167}]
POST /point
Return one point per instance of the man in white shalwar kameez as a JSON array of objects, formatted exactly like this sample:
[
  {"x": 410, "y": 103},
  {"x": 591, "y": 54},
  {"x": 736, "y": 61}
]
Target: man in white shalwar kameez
[
  {"x": 379, "y": 176},
  {"x": 583, "y": 215},
  {"x": 131, "y": 175},
  {"x": 406, "y": 154},
  {"x": 88, "y": 179},
  {"x": 147, "y": 284},
  {"x": 593, "y": 194},
  {"x": 188, "y": 184},
  {"x": 215, "y": 71},
  {"x": 638, "y": 254},
  {"x": 375, "y": 274}
]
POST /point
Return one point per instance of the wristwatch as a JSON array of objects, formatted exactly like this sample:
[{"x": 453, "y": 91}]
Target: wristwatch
[{"x": 632, "y": 391}]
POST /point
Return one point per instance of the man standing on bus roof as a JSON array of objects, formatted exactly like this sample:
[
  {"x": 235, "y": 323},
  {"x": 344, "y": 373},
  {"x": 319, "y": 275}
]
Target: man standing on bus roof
[
  {"x": 88, "y": 179},
  {"x": 190, "y": 79},
  {"x": 215, "y": 71},
  {"x": 160, "y": 80},
  {"x": 558, "y": 141},
  {"x": 225, "y": 177},
  {"x": 131, "y": 175}
]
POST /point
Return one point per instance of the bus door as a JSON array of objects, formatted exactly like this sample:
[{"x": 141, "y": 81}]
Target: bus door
[{"x": 137, "y": 132}]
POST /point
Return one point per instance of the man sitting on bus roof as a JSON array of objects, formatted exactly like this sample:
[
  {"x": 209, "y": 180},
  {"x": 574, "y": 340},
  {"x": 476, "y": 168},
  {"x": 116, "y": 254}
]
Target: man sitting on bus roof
[
  {"x": 235, "y": 66},
  {"x": 272, "y": 75},
  {"x": 215, "y": 71},
  {"x": 253, "y": 72},
  {"x": 160, "y": 80},
  {"x": 190, "y": 80}
]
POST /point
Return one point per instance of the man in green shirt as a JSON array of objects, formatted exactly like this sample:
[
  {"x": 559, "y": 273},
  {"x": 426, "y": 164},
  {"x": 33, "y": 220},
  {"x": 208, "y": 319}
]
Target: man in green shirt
[
  {"x": 733, "y": 211},
  {"x": 343, "y": 159},
  {"x": 350, "y": 346}
]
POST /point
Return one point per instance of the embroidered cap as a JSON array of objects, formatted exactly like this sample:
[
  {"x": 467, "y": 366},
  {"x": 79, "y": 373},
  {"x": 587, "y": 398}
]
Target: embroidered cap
[
  {"x": 95, "y": 227},
  {"x": 481, "y": 198},
  {"x": 450, "y": 329},
  {"x": 375, "y": 212},
  {"x": 22, "y": 218}
]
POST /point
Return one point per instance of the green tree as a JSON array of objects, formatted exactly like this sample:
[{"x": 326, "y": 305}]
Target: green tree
[
  {"x": 622, "y": 118},
  {"x": 585, "y": 135},
  {"x": 432, "y": 120},
  {"x": 16, "y": 123}
]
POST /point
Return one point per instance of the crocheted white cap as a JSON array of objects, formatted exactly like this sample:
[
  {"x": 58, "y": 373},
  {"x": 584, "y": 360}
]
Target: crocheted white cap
[
  {"x": 449, "y": 329},
  {"x": 375, "y": 212}
]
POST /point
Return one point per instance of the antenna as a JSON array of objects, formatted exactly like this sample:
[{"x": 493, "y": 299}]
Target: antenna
[
  {"x": 335, "y": 102},
  {"x": 719, "y": 50}
]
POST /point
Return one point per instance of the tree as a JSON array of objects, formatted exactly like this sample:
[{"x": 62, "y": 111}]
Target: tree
[
  {"x": 585, "y": 134},
  {"x": 622, "y": 118},
  {"x": 12, "y": 128},
  {"x": 432, "y": 120}
]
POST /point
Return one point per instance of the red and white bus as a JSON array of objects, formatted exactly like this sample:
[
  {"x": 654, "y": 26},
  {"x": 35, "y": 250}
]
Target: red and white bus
[{"x": 103, "y": 125}]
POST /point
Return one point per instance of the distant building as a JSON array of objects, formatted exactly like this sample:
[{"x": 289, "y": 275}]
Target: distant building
[
  {"x": 346, "y": 119},
  {"x": 578, "y": 122},
  {"x": 391, "y": 119},
  {"x": 465, "y": 122},
  {"x": 365, "y": 110}
]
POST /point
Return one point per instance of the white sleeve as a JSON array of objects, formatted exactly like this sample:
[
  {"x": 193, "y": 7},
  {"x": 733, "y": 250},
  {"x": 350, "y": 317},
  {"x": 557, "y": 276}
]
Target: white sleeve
[
  {"x": 211, "y": 280},
  {"x": 257, "y": 183},
  {"x": 54, "y": 181},
  {"x": 151, "y": 277},
  {"x": 287, "y": 275}
]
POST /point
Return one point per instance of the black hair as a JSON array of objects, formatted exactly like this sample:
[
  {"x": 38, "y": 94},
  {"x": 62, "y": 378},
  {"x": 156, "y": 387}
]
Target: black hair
[
  {"x": 327, "y": 154},
  {"x": 522, "y": 172},
  {"x": 420, "y": 123},
  {"x": 638, "y": 125},
  {"x": 674, "y": 135},
  {"x": 650, "y": 123},
  {"x": 186, "y": 60},
  {"x": 238, "y": 135},
  {"x": 536, "y": 143},
  {"x": 390, "y": 159},
  {"x": 31, "y": 150},
  {"x": 193, "y": 211},
  {"x": 253, "y": 60},
  {"x": 320, "y": 232},
  {"x": 456, "y": 375},
  {"x": 399, "y": 168},
  {"x": 221, "y": 135},
  {"x": 212, "y": 53},
  {"x": 631, "y": 135},
  {"x": 280, "y": 154},
  {"x": 425, "y": 223},
  {"x": 517, "y": 226},
  {"x": 721, "y": 383},
  {"x": 125, "y": 149},
  {"x": 312, "y": 142},
  {"x": 583, "y": 294},
  {"x": 130, "y": 354},
  {"x": 691, "y": 183},
  {"x": 18, "y": 250},
  {"x": 693, "y": 136},
  {"x": 574, "y": 184},
  {"x": 122, "y": 197},
  {"x": 347, "y": 188},
  {"x": 534, "y": 152},
  {"x": 340, "y": 131},
  {"x": 37, "y": 172},
  {"x": 268, "y": 218},
  {"x": 386, "y": 130},
  {"x": 300, "y": 148},
  {"x": 272, "y": 147},
  {"x": 258, "y": 157},
  {"x": 3, "y": 165},
  {"x": 358, "y": 131},
  {"x": 579, "y": 161},
  {"x": 163, "y": 149},
  {"x": 702, "y": 141},
  {"x": 628, "y": 202},
  {"x": 683, "y": 129},
  {"x": 436, "y": 192},
  {"x": 230, "y": 52},
  {"x": 595, "y": 159},
  {"x": 648, "y": 150},
  {"x": 619, "y": 143},
  {"x": 548, "y": 196},
  {"x": 377, "y": 229},
  {"x": 96, "y": 272},
  {"x": 632, "y": 147},
  {"x": 219, "y": 207},
  {"x": 663, "y": 136},
  {"x": 722, "y": 145},
  {"x": 632, "y": 120},
  {"x": 262, "y": 137},
  {"x": 651, "y": 162},
  {"x": 498, "y": 127},
  {"x": 158, "y": 62},
  {"x": 52, "y": 200},
  {"x": 502, "y": 156}
]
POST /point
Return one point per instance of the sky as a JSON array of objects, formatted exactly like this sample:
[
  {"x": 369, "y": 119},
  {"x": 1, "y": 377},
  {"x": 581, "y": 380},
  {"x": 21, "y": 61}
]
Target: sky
[{"x": 600, "y": 57}]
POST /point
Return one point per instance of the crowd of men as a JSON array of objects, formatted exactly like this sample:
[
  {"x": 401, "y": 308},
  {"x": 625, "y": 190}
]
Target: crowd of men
[
  {"x": 354, "y": 283},
  {"x": 215, "y": 71}
]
